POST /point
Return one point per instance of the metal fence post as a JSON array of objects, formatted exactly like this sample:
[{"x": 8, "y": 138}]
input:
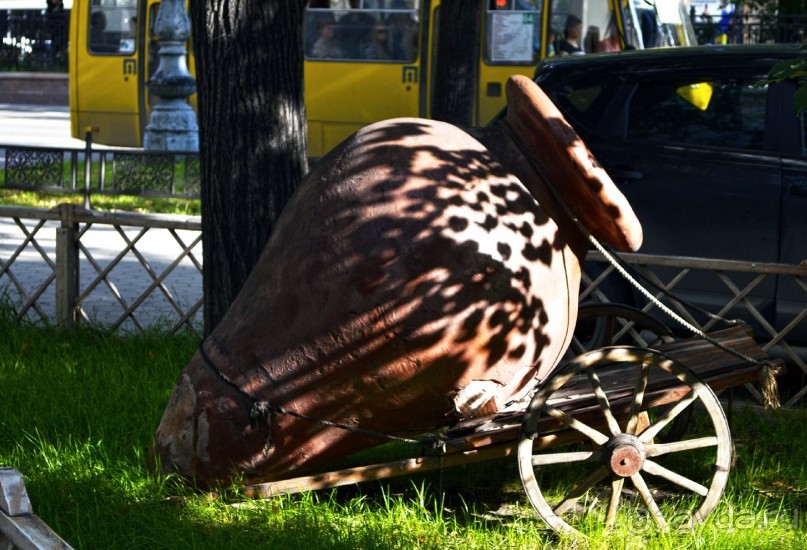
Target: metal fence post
[
  {"x": 66, "y": 267},
  {"x": 87, "y": 167}
]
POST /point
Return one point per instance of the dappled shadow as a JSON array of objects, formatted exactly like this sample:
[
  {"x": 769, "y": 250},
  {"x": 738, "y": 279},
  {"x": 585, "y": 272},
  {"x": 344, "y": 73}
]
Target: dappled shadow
[
  {"x": 552, "y": 147},
  {"x": 411, "y": 262}
]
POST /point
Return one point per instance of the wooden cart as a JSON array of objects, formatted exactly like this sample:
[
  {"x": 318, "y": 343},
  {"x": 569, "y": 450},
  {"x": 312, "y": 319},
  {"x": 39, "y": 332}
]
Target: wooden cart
[{"x": 648, "y": 415}]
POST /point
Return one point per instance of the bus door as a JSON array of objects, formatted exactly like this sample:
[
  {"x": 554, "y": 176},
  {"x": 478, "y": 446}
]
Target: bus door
[
  {"x": 363, "y": 64},
  {"x": 513, "y": 42},
  {"x": 519, "y": 33},
  {"x": 105, "y": 69}
]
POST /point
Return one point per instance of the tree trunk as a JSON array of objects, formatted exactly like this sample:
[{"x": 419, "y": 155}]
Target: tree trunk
[
  {"x": 252, "y": 136},
  {"x": 457, "y": 65}
]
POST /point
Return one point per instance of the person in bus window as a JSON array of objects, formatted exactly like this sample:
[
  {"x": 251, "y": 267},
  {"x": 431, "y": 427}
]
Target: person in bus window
[
  {"x": 100, "y": 39},
  {"x": 611, "y": 41},
  {"x": 403, "y": 32},
  {"x": 127, "y": 39},
  {"x": 316, "y": 11},
  {"x": 377, "y": 44},
  {"x": 650, "y": 28},
  {"x": 326, "y": 46},
  {"x": 570, "y": 45},
  {"x": 354, "y": 30}
]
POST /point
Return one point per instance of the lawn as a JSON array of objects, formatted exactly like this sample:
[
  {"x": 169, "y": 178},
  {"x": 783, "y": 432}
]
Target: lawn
[
  {"x": 79, "y": 410},
  {"x": 125, "y": 203}
]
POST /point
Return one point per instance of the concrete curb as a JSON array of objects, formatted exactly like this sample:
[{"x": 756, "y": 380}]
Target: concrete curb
[{"x": 34, "y": 88}]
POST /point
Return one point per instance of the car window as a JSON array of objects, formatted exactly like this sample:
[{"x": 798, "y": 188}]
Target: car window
[
  {"x": 725, "y": 113},
  {"x": 583, "y": 101}
]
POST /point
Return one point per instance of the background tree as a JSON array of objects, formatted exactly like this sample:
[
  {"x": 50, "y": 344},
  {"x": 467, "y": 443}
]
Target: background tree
[
  {"x": 252, "y": 133},
  {"x": 457, "y": 65}
]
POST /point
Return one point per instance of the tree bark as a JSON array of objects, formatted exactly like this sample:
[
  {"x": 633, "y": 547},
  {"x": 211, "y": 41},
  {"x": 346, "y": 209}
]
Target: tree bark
[
  {"x": 457, "y": 65},
  {"x": 252, "y": 132}
]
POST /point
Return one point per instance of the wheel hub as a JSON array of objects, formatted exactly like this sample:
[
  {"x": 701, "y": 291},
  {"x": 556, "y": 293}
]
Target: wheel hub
[{"x": 625, "y": 455}]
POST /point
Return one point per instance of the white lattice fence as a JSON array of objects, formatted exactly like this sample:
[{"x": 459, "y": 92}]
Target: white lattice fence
[
  {"x": 750, "y": 291},
  {"x": 133, "y": 271},
  {"x": 122, "y": 271}
]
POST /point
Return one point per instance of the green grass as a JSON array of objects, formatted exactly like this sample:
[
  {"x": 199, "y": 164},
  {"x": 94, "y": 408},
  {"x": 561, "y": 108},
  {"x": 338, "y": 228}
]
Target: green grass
[
  {"x": 133, "y": 202},
  {"x": 126, "y": 203},
  {"x": 80, "y": 408}
]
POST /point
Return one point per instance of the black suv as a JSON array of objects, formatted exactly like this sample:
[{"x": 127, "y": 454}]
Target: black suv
[{"x": 711, "y": 156}]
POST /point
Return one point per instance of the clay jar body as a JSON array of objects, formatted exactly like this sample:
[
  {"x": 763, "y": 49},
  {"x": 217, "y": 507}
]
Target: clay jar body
[{"x": 413, "y": 280}]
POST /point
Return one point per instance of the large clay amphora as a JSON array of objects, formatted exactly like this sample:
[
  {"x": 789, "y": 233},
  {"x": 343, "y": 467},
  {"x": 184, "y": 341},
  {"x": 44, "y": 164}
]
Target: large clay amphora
[{"x": 419, "y": 275}]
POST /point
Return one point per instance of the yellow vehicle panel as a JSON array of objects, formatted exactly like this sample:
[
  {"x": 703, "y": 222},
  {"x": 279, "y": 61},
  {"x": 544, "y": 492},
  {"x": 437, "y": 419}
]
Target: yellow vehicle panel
[
  {"x": 104, "y": 75},
  {"x": 343, "y": 97},
  {"x": 344, "y": 90},
  {"x": 491, "y": 88}
]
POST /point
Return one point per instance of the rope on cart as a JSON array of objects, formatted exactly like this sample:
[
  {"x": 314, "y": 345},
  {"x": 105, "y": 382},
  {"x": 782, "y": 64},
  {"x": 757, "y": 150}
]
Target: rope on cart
[
  {"x": 262, "y": 411},
  {"x": 769, "y": 370}
]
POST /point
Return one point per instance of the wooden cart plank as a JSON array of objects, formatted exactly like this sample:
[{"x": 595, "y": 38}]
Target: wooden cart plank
[{"x": 497, "y": 436}]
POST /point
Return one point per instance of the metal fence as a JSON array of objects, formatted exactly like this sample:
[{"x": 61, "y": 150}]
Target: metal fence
[
  {"x": 34, "y": 40},
  {"x": 751, "y": 29},
  {"x": 121, "y": 271},
  {"x": 129, "y": 272},
  {"x": 90, "y": 171}
]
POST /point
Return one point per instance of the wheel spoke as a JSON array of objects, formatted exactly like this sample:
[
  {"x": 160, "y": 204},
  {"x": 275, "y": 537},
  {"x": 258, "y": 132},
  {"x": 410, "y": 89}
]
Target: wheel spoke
[
  {"x": 658, "y": 470},
  {"x": 613, "y": 503},
  {"x": 678, "y": 446},
  {"x": 644, "y": 491},
  {"x": 563, "y": 458},
  {"x": 571, "y": 499},
  {"x": 602, "y": 399},
  {"x": 595, "y": 435},
  {"x": 638, "y": 398},
  {"x": 610, "y": 322},
  {"x": 668, "y": 417}
]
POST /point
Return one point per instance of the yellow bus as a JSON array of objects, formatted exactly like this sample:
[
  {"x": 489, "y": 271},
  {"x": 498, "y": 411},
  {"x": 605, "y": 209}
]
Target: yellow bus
[{"x": 365, "y": 60}]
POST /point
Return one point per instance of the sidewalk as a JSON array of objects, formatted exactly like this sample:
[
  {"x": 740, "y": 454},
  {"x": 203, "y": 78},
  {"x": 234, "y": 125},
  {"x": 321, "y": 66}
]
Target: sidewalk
[
  {"x": 49, "y": 126},
  {"x": 35, "y": 125}
]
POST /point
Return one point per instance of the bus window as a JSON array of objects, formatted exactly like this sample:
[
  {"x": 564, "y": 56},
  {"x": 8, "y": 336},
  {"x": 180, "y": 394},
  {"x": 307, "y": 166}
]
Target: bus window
[
  {"x": 362, "y": 30},
  {"x": 512, "y": 32},
  {"x": 674, "y": 22},
  {"x": 578, "y": 27},
  {"x": 113, "y": 27}
]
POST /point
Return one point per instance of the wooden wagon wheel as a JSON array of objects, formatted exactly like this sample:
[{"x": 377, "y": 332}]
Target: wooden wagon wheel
[
  {"x": 600, "y": 325},
  {"x": 602, "y": 439},
  {"x": 607, "y": 324}
]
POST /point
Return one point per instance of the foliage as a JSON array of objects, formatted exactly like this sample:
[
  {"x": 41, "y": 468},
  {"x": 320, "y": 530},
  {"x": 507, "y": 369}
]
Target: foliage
[
  {"x": 125, "y": 203},
  {"x": 793, "y": 68}
]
